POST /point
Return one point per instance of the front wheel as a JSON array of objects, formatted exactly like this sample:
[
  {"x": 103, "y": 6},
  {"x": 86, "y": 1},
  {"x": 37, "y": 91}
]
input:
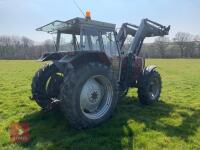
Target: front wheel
[
  {"x": 89, "y": 95},
  {"x": 46, "y": 85},
  {"x": 149, "y": 87}
]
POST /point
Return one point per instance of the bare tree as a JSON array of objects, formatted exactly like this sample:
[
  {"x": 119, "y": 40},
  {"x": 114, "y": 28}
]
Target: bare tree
[
  {"x": 161, "y": 44},
  {"x": 48, "y": 45},
  {"x": 183, "y": 40},
  {"x": 26, "y": 42},
  {"x": 197, "y": 43},
  {"x": 5, "y": 43}
]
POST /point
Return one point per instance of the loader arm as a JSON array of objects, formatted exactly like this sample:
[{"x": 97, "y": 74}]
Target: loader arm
[
  {"x": 147, "y": 28},
  {"x": 125, "y": 30}
]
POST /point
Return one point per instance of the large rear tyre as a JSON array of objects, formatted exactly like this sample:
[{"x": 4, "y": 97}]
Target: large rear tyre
[
  {"x": 149, "y": 87},
  {"x": 89, "y": 95},
  {"x": 46, "y": 85}
]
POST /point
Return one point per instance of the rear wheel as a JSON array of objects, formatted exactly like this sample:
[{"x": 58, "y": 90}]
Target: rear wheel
[
  {"x": 46, "y": 85},
  {"x": 149, "y": 88},
  {"x": 89, "y": 95}
]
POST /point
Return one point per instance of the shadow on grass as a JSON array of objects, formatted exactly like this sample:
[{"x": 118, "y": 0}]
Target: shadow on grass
[{"x": 51, "y": 130}]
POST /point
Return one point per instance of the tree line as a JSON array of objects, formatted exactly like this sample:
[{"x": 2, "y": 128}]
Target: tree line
[
  {"x": 183, "y": 45},
  {"x": 14, "y": 47}
]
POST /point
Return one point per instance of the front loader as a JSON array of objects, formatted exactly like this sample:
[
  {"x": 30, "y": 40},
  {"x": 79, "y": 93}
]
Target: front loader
[{"x": 89, "y": 74}]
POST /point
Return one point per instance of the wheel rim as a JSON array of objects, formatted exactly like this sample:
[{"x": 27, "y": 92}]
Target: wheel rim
[
  {"x": 154, "y": 88},
  {"x": 96, "y": 97},
  {"x": 53, "y": 85}
]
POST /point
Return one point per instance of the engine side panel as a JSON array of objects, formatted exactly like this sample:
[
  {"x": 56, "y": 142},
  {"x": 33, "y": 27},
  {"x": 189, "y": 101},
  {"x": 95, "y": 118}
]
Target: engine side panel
[
  {"x": 131, "y": 71},
  {"x": 138, "y": 66}
]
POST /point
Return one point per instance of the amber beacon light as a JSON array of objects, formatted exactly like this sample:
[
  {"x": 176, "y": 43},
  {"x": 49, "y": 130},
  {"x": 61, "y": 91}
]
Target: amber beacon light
[{"x": 88, "y": 14}]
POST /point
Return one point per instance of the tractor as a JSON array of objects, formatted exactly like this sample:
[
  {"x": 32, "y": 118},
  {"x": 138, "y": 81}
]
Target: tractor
[{"x": 88, "y": 75}]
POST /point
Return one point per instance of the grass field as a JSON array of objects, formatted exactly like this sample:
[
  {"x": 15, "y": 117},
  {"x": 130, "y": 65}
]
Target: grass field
[{"x": 173, "y": 123}]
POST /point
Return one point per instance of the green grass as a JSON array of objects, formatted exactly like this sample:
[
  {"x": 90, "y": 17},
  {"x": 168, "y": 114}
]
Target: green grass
[{"x": 172, "y": 123}]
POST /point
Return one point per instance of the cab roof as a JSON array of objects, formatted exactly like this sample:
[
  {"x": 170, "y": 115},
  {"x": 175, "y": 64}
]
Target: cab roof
[{"x": 73, "y": 26}]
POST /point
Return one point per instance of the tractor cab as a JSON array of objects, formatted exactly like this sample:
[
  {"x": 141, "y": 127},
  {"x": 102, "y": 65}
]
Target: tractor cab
[{"x": 83, "y": 34}]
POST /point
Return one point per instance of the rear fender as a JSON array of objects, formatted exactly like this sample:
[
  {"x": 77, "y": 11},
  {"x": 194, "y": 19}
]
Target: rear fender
[
  {"x": 80, "y": 59},
  {"x": 53, "y": 56}
]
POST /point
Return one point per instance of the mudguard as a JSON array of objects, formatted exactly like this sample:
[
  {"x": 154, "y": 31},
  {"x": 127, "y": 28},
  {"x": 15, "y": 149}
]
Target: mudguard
[
  {"x": 75, "y": 59},
  {"x": 149, "y": 69},
  {"x": 53, "y": 56}
]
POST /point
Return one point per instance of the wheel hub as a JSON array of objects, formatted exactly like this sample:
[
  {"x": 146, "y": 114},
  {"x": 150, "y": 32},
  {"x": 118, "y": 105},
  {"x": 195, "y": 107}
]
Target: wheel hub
[
  {"x": 96, "y": 97},
  {"x": 153, "y": 89},
  {"x": 91, "y": 95}
]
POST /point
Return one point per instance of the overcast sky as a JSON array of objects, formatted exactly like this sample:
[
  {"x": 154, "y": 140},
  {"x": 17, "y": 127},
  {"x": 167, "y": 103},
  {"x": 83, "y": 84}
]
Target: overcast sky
[{"x": 22, "y": 17}]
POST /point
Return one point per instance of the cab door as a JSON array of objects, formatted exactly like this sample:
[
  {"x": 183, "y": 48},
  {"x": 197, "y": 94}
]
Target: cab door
[{"x": 111, "y": 51}]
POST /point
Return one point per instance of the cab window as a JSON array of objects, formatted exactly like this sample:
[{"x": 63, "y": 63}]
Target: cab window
[
  {"x": 90, "y": 40},
  {"x": 110, "y": 44}
]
